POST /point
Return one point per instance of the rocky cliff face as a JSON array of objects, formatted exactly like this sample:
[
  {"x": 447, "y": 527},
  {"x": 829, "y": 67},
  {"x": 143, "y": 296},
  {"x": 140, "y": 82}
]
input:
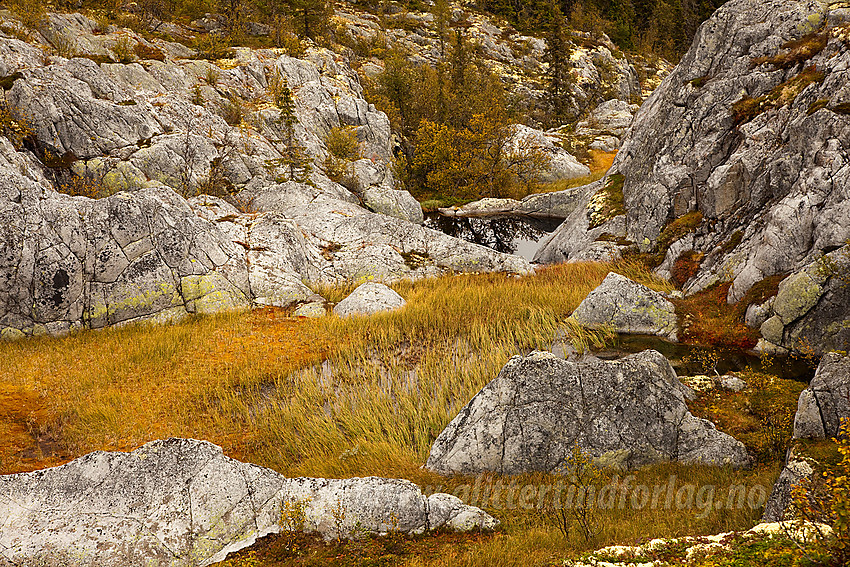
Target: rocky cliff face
[
  {"x": 151, "y": 132},
  {"x": 749, "y": 130},
  {"x": 600, "y": 71}
]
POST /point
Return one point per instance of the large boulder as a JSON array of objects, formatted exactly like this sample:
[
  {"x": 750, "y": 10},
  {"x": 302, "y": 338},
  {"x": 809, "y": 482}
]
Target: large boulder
[
  {"x": 809, "y": 312},
  {"x": 780, "y": 499},
  {"x": 181, "y": 502},
  {"x": 562, "y": 164},
  {"x": 745, "y": 130},
  {"x": 627, "y": 307},
  {"x": 69, "y": 262},
  {"x": 369, "y": 298},
  {"x": 826, "y": 401},
  {"x": 576, "y": 240},
  {"x": 626, "y": 413}
]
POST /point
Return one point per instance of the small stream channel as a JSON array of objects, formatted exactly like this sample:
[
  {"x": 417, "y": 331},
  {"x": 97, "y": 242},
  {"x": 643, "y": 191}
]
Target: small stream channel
[
  {"x": 682, "y": 358},
  {"x": 511, "y": 235}
]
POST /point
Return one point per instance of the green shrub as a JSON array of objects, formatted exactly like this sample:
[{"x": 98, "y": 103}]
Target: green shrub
[
  {"x": 30, "y": 12},
  {"x": 343, "y": 148},
  {"x": 211, "y": 47},
  {"x": 18, "y": 130},
  {"x": 826, "y": 498}
]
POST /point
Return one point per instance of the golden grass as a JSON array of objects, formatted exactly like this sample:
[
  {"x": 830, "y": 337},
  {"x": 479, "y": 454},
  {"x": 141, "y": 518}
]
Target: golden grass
[
  {"x": 599, "y": 163},
  {"x": 250, "y": 381},
  {"x": 528, "y": 537},
  {"x": 328, "y": 397}
]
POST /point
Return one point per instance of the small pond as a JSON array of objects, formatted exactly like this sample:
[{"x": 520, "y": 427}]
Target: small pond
[{"x": 511, "y": 235}]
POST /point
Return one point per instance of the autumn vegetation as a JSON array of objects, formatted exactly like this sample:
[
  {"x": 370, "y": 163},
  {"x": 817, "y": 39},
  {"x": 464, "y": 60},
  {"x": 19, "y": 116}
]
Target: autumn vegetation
[{"x": 345, "y": 397}]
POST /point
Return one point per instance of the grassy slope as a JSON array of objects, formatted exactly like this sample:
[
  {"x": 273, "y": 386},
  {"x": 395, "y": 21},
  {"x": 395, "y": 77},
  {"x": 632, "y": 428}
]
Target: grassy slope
[{"x": 330, "y": 397}]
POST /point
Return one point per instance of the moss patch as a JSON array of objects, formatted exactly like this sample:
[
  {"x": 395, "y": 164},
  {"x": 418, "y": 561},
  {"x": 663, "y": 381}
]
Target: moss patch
[
  {"x": 414, "y": 259},
  {"x": 748, "y": 108},
  {"x": 699, "y": 81},
  {"x": 796, "y": 51},
  {"x": 678, "y": 228},
  {"x": 733, "y": 242},
  {"x": 843, "y": 108},
  {"x": 817, "y": 105},
  {"x": 608, "y": 202}
]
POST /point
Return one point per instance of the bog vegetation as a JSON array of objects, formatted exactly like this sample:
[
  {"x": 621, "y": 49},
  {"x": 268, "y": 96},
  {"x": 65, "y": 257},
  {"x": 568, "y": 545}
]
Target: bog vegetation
[{"x": 354, "y": 397}]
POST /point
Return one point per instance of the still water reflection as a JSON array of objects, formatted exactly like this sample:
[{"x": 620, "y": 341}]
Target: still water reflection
[{"x": 511, "y": 235}]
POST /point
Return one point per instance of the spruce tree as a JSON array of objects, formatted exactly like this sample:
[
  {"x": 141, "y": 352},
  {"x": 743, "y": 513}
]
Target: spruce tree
[
  {"x": 442, "y": 14},
  {"x": 294, "y": 159},
  {"x": 558, "y": 57},
  {"x": 310, "y": 17}
]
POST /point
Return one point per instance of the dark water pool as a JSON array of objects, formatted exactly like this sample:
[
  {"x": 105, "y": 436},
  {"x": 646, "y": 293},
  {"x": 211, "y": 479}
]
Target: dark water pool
[
  {"x": 511, "y": 235},
  {"x": 682, "y": 358}
]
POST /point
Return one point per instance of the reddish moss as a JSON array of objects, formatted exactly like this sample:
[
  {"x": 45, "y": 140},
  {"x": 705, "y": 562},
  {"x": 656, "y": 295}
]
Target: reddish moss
[
  {"x": 705, "y": 318},
  {"x": 685, "y": 267}
]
